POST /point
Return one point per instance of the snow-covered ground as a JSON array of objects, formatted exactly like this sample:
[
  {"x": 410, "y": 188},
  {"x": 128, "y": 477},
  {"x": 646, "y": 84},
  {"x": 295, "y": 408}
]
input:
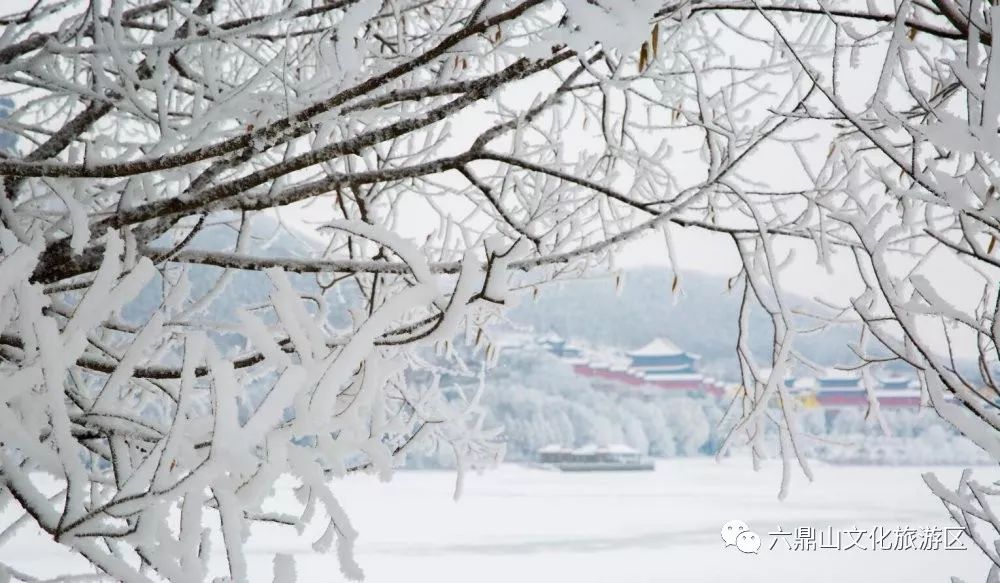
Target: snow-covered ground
[{"x": 516, "y": 524}]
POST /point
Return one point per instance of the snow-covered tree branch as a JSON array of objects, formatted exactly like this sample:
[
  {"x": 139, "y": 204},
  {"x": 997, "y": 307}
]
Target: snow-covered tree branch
[
  {"x": 435, "y": 152},
  {"x": 903, "y": 171},
  {"x": 518, "y": 135}
]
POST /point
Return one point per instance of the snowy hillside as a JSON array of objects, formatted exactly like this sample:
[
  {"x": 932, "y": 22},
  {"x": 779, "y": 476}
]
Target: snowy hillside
[
  {"x": 701, "y": 317},
  {"x": 538, "y": 400}
]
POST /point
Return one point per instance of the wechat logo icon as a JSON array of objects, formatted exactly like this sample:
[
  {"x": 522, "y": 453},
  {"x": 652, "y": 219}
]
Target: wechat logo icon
[{"x": 737, "y": 533}]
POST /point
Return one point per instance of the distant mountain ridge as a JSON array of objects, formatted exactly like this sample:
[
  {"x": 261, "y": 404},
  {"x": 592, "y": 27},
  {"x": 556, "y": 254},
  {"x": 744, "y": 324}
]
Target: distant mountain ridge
[{"x": 700, "y": 318}]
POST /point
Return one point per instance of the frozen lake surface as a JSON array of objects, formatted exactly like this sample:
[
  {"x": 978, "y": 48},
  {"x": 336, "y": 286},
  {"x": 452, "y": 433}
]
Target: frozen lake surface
[
  {"x": 519, "y": 524},
  {"x": 516, "y": 524}
]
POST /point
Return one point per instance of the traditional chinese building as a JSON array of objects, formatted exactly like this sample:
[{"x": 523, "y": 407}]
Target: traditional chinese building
[
  {"x": 658, "y": 366},
  {"x": 839, "y": 389},
  {"x": 898, "y": 391},
  {"x": 662, "y": 366},
  {"x": 560, "y": 347},
  {"x": 615, "y": 373}
]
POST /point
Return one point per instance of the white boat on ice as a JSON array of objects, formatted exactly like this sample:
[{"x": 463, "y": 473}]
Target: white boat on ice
[{"x": 593, "y": 458}]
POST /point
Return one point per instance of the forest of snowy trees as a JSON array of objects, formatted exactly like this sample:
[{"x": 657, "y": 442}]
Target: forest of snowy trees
[{"x": 539, "y": 401}]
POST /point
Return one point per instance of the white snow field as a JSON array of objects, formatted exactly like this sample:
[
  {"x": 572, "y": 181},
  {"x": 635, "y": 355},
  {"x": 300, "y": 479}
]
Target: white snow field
[{"x": 521, "y": 525}]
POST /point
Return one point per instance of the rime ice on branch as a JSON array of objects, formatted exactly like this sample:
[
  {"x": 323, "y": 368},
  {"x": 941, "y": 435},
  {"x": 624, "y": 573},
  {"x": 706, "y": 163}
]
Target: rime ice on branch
[{"x": 435, "y": 149}]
